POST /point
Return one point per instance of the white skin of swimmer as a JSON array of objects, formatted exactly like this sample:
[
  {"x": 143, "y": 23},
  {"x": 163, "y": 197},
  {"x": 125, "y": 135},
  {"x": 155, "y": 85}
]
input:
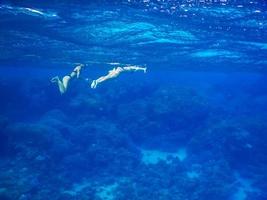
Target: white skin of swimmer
[
  {"x": 63, "y": 85},
  {"x": 134, "y": 68},
  {"x": 60, "y": 84},
  {"x": 114, "y": 73},
  {"x": 111, "y": 74}
]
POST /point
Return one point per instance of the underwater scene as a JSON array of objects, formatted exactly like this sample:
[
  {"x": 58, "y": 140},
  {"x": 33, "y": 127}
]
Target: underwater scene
[{"x": 133, "y": 100}]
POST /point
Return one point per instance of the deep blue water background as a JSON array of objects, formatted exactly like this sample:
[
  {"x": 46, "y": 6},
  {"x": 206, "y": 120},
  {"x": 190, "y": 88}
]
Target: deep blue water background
[{"x": 193, "y": 127}]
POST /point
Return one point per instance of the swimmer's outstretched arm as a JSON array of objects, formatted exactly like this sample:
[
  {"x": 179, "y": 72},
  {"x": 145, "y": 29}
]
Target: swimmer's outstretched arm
[{"x": 134, "y": 68}]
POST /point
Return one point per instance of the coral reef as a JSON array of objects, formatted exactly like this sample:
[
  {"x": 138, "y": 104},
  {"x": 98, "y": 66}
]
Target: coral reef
[{"x": 133, "y": 141}]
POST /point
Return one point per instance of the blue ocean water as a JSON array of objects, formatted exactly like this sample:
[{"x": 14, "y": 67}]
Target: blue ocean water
[{"x": 193, "y": 127}]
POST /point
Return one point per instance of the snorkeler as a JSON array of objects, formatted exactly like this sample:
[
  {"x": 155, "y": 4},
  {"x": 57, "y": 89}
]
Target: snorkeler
[
  {"x": 115, "y": 72},
  {"x": 63, "y": 85}
]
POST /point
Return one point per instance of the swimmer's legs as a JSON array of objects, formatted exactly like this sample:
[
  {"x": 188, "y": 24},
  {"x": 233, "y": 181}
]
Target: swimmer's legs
[
  {"x": 111, "y": 74},
  {"x": 144, "y": 69},
  {"x": 65, "y": 82},
  {"x": 61, "y": 86},
  {"x": 99, "y": 80}
]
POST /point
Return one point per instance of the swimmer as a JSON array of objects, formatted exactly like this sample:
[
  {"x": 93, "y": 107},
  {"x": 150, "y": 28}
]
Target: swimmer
[
  {"x": 63, "y": 85},
  {"x": 77, "y": 71},
  {"x": 114, "y": 73}
]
